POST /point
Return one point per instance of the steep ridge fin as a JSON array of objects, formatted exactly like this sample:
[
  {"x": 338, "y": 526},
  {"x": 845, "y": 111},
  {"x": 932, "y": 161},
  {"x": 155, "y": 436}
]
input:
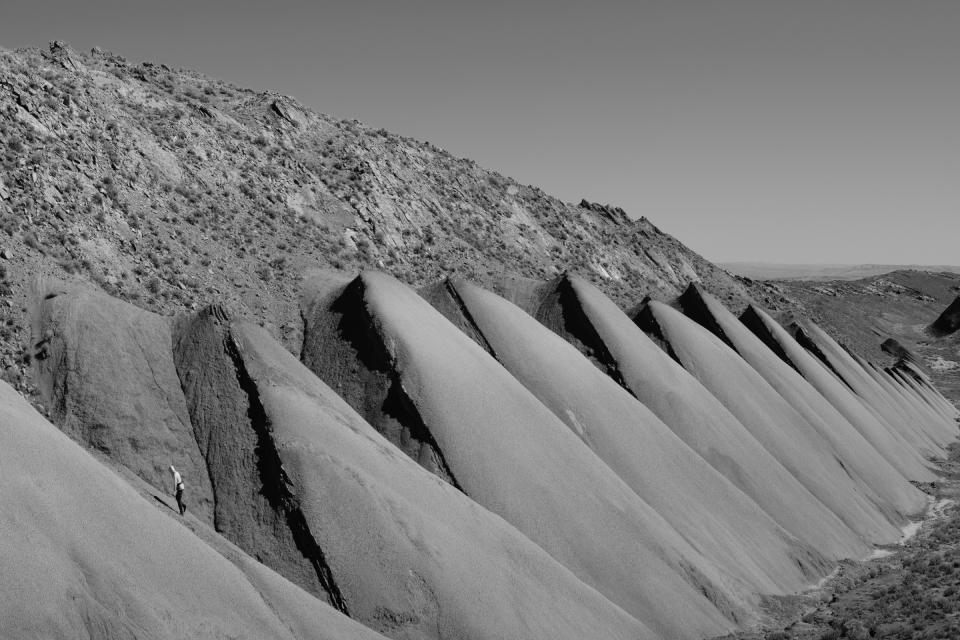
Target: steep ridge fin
[
  {"x": 884, "y": 438},
  {"x": 233, "y": 431},
  {"x": 703, "y": 505},
  {"x": 751, "y": 320},
  {"x": 777, "y": 425},
  {"x": 693, "y": 305},
  {"x": 561, "y": 312},
  {"x": 871, "y": 392},
  {"x": 701, "y": 420},
  {"x": 800, "y": 335},
  {"x": 445, "y": 298},
  {"x": 644, "y": 318},
  {"x": 815, "y": 419},
  {"x": 346, "y": 351},
  {"x": 515, "y": 457}
]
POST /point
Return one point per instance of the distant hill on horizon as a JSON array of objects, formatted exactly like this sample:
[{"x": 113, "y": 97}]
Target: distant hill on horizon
[{"x": 777, "y": 271}]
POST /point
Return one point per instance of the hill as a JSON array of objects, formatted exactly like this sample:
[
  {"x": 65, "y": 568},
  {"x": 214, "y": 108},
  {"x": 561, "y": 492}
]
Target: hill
[
  {"x": 168, "y": 188},
  {"x": 405, "y": 391}
]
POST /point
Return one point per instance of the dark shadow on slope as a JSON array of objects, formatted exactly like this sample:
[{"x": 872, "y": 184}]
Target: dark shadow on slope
[
  {"x": 342, "y": 346},
  {"x": 255, "y": 506},
  {"x": 752, "y": 321},
  {"x": 444, "y": 297},
  {"x": 807, "y": 343},
  {"x": 693, "y": 306},
  {"x": 164, "y": 503},
  {"x": 561, "y": 311},
  {"x": 643, "y": 317}
]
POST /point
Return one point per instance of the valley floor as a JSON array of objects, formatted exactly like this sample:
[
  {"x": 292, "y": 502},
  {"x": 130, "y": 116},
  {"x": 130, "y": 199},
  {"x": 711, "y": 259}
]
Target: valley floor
[{"x": 911, "y": 592}]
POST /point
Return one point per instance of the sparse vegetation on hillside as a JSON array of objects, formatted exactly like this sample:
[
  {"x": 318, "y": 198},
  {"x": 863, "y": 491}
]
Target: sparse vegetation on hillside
[
  {"x": 171, "y": 189},
  {"x": 911, "y": 595}
]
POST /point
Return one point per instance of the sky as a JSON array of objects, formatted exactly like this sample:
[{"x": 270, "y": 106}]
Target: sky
[{"x": 805, "y": 131}]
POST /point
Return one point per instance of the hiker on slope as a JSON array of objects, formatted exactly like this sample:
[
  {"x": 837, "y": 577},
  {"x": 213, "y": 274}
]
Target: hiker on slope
[{"x": 178, "y": 484}]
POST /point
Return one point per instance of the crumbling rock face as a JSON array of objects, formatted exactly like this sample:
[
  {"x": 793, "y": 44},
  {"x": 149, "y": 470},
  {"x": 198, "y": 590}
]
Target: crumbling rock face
[
  {"x": 255, "y": 506},
  {"x": 105, "y": 372}
]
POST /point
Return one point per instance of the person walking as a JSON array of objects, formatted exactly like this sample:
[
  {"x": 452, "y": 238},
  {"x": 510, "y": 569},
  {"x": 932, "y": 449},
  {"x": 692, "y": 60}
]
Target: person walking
[{"x": 178, "y": 485}]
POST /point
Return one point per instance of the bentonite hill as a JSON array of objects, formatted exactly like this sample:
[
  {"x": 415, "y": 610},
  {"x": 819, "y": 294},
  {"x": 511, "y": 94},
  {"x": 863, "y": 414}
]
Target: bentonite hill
[{"x": 410, "y": 398}]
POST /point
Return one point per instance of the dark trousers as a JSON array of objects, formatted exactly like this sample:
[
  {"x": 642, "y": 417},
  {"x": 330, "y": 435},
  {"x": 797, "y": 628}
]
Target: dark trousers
[{"x": 180, "y": 503}]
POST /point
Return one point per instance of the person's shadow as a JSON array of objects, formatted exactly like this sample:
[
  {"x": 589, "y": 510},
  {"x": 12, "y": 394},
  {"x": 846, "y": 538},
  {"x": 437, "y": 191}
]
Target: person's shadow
[{"x": 163, "y": 502}]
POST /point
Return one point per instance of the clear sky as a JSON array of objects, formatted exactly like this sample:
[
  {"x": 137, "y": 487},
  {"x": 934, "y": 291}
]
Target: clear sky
[{"x": 769, "y": 130}]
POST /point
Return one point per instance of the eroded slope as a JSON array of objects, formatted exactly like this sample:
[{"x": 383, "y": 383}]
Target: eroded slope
[
  {"x": 703, "y": 506},
  {"x": 890, "y": 491},
  {"x": 511, "y": 454},
  {"x": 84, "y": 556}
]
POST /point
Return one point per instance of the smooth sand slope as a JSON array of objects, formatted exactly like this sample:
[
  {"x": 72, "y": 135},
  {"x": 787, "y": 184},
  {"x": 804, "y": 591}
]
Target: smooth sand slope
[
  {"x": 890, "y": 444},
  {"x": 510, "y": 453},
  {"x": 771, "y": 419},
  {"x": 890, "y": 491},
  {"x": 924, "y": 422},
  {"x": 915, "y": 374},
  {"x": 105, "y": 372},
  {"x": 84, "y": 556},
  {"x": 935, "y": 401},
  {"x": 706, "y": 508},
  {"x": 871, "y": 393},
  {"x": 400, "y": 550},
  {"x": 584, "y": 316},
  {"x": 378, "y": 537},
  {"x": 934, "y": 425}
]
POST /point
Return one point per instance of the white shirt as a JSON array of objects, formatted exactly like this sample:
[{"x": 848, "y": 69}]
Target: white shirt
[{"x": 177, "y": 480}]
